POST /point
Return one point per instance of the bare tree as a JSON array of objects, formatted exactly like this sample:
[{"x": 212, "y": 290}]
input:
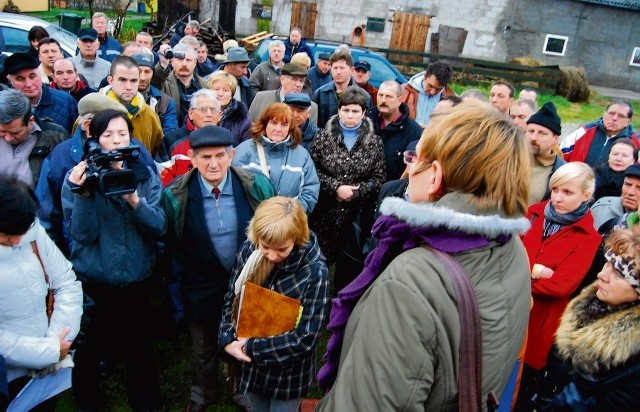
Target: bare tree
[{"x": 120, "y": 7}]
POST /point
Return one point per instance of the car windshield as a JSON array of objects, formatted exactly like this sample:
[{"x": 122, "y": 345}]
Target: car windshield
[{"x": 61, "y": 35}]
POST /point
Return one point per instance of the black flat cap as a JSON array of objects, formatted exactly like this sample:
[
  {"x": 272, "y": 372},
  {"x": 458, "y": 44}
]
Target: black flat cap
[
  {"x": 88, "y": 33},
  {"x": 633, "y": 170},
  {"x": 211, "y": 136},
  {"x": 19, "y": 61}
]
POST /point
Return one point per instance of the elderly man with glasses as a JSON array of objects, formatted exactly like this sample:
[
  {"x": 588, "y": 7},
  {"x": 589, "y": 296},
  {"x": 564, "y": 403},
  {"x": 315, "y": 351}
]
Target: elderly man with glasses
[
  {"x": 292, "y": 78},
  {"x": 592, "y": 142}
]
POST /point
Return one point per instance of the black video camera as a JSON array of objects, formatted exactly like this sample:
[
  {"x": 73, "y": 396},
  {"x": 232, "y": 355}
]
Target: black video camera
[
  {"x": 170, "y": 54},
  {"x": 101, "y": 177}
]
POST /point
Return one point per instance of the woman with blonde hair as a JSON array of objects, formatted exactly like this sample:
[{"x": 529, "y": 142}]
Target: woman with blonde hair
[
  {"x": 235, "y": 115},
  {"x": 561, "y": 245},
  {"x": 396, "y": 329},
  {"x": 275, "y": 151},
  {"x": 281, "y": 254}
]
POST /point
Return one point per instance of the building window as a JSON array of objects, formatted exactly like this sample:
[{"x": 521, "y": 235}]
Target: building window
[
  {"x": 555, "y": 45},
  {"x": 635, "y": 57},
  {"x": 375, "y": 24}
]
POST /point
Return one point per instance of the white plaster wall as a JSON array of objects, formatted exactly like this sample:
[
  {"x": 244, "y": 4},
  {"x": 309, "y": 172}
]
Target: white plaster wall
[{"x": 337, "y": 18}]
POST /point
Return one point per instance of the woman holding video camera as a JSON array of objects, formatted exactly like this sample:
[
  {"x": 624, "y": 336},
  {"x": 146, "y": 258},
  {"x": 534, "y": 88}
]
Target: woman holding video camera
[{"x": 113, "y": 253}]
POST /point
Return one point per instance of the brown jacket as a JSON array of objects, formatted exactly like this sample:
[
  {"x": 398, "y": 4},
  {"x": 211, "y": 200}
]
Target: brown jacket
[{"x": 410, "y": 97}]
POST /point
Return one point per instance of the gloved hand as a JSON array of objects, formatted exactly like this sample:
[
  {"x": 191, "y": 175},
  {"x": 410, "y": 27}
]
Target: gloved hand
[{"x": 67, "y": 362}]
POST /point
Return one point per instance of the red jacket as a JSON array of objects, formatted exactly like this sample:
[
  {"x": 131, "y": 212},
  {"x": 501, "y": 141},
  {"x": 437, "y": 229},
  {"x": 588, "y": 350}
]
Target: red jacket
[
  {"x": 575, "y": 147},
  {"x": 173, "y": 160},
  {"x": 569, "y": 253}
]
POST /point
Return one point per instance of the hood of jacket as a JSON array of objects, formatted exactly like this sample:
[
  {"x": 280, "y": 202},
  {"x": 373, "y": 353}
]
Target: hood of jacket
[
  {"x": 455, "y": 212},
  {"x": 417, "y": 81},
  {"x": 272, "y": 146},
  {"x": 602, "y": 341},
  {"x": 29, "y": 236}
]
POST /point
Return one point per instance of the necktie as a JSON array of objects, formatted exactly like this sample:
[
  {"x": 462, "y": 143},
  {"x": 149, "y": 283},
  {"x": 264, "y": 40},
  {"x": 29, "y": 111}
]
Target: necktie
[{"x": 216, "y": 192}]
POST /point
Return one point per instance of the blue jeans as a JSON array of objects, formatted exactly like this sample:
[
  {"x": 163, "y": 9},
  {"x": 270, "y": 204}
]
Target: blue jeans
[{"x": 261, "y": 403}]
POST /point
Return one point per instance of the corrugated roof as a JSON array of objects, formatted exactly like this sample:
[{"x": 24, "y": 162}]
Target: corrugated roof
[{"x": 622, "y": 4}]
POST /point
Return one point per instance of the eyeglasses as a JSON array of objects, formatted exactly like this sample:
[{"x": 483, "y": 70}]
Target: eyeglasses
[
  {"x": 618, "y": 115},
  {"x": 205, "y": 109},
  {"x": 410, "y": 156},
  {"x": 295, "y": 79}
]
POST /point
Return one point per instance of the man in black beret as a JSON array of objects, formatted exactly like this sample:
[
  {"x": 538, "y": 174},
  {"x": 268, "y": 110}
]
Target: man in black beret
[
  {"x": 220, "y": 200},
  {"x": 320, "y": 74},
  {"x": 292, "y": 77},
  {"x": 22, "y": 71},
  {"x": 543, "y": 132}
]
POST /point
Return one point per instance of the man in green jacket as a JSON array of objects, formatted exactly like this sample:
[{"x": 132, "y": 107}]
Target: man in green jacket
[{"x": 208, "y": 209}]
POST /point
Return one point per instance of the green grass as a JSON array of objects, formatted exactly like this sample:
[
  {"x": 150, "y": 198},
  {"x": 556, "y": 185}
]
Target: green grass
[
  {"x": 570, "y": 112},
  {"x": 132, "y": 24}
]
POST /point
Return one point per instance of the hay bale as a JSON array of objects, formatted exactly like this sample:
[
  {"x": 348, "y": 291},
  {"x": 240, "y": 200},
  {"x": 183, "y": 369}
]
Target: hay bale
[
  {"x": 573, "y": 84},
  {"x": 526, "y": 61}
]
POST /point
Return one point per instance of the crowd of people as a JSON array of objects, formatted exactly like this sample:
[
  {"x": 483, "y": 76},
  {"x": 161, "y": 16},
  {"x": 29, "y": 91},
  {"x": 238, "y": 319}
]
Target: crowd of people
[{"x": 123, "y": 163}]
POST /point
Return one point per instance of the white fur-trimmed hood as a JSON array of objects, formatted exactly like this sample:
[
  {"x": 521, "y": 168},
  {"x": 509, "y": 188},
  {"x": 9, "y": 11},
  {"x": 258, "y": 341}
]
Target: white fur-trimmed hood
[{"x": 435, "y": 215}]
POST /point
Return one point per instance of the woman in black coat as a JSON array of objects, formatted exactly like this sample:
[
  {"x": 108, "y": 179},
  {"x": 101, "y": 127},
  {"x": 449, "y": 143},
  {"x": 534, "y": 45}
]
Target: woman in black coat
[
  {"x": 599, "y": 335},
  {"x": 235, "y": 115},
  {"x": 610, "y": 174},
  {"x": 350, "y": 163}
]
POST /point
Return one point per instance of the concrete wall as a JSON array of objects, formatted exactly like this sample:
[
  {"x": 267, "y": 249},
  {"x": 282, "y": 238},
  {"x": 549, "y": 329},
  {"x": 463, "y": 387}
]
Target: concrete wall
[
  {"x": 601, "y": 39},
  {"x": 337, "y": 18},
  {"x": 28, "y": 5}
]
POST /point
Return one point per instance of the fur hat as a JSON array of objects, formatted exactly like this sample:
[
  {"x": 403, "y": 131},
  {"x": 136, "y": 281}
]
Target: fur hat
[
  {"x": 226, "y": 46},
  {"x": 548, "y": 117},
  {"x": 95, "y": 102}
]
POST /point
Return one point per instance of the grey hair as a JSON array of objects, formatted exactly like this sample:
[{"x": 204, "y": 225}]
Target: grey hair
[
  {"x": 194, "y": 24},
  {"x": 99, "y": 14},
  {"x": 276, "y": 43},
  {"x": 394, "y": 85},
  {"x": 527, "y": 102},
  {"x": 14, "y": 105},
  {"x": 209, "y": 94},
  {"x": 183, "y": 47},
  {"x": 191, "y": 41},
  {"x": 473, "y": 94}
]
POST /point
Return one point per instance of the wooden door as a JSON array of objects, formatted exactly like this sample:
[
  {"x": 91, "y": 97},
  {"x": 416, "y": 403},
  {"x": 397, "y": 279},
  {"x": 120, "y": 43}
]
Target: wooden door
[
  {"x": 409, "y": 33},
  {"x": 303, "y": 15}
]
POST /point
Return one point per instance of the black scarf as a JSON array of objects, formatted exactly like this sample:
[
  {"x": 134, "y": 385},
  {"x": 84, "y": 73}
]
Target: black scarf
[{"x": 554, "y": 221}]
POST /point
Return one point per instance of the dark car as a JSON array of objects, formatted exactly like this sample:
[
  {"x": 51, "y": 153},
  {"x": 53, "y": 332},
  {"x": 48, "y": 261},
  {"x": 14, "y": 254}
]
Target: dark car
[{"x": 381, "y": 69}]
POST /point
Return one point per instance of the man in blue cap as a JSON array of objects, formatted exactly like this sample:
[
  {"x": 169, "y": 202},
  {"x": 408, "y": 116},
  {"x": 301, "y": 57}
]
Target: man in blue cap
[
  {"x": 300, "y": 104},
  {"x": 361, "y": 72},
  {"x": 219, "y": 200},
  {"x": 160, "y": 102},
  {"x": 88, "y": 62},
  {"x": 320, "y": 74}
]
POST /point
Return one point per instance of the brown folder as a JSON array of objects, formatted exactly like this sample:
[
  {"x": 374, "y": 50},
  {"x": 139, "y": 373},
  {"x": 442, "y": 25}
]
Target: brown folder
[{"x": 264, "y": 312}]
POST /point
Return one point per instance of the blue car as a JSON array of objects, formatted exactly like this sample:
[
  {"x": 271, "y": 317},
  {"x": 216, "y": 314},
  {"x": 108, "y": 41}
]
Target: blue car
[{"x": 381, "y": 69}]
